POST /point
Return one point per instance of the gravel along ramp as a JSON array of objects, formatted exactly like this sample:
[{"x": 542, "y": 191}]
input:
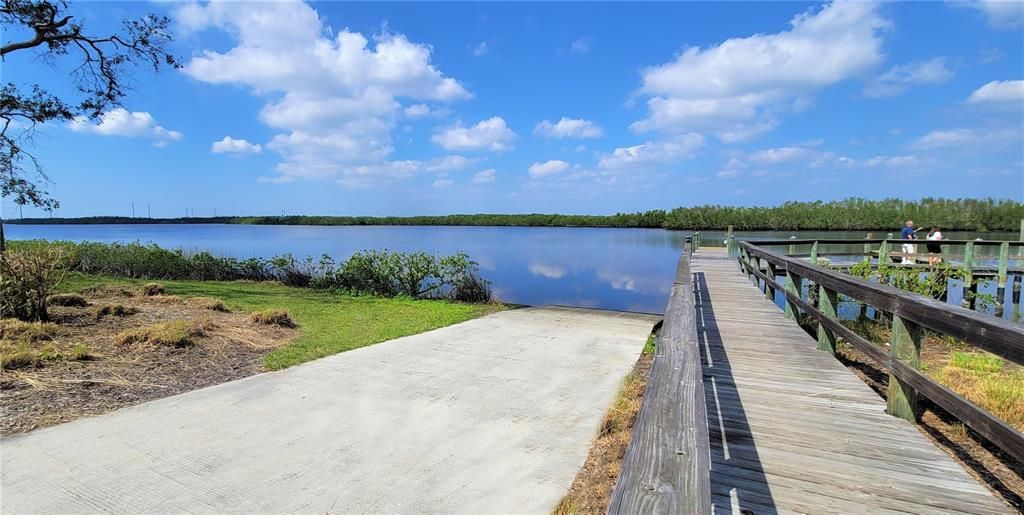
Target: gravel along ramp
[{"x": 493, "y": 415}]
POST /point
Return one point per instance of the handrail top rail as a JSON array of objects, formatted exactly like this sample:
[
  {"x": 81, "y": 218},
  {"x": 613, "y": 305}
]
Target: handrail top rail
[
  {"x": 998, "y": 336},
  {"x": 856, "y": 241}
]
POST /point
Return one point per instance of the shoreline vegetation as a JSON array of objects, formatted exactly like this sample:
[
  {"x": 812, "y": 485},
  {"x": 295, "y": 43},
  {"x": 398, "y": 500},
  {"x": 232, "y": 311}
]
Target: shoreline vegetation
[{"x": 851, "y": 214}]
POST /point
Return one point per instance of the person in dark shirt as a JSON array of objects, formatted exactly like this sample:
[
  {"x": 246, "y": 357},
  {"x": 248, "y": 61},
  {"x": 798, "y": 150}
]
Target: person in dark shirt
[{"x": 909, "y": 249}]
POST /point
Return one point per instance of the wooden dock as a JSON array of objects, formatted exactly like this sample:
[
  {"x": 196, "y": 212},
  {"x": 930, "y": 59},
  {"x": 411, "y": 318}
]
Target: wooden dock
[{"x": 791, "y": 429}]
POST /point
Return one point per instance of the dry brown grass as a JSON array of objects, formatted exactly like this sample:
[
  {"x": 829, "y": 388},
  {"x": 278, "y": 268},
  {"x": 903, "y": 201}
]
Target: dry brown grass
[
  {"x": 67, "y": 300},
  {"x": 591, "y": 491},
  {"x": 208, "y": 303},
  {"x": 278, "y": 317},
  {"x": 117, "y": 310},
  {"x": 174, "y": 333},
  {"x": 13, "y": 329},
  {"x": 150, "y": 289},
  {"x": 107, "y": 290}
]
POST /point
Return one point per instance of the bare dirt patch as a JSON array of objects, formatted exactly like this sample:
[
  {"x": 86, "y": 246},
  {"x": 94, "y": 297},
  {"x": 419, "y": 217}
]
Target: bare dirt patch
[
  {"x": 86, "y": 370},
  {"x": 591, "y": 491}
]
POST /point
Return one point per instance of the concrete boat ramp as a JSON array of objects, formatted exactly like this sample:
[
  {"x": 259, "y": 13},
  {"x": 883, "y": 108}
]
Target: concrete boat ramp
[{"x": 493, "y": 415}]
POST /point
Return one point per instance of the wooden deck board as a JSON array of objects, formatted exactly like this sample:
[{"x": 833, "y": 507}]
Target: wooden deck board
[{"x": 793, "y": 430}]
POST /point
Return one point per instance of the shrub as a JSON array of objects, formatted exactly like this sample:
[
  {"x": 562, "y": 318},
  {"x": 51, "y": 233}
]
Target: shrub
[
  {"x": 117, "y": 310},
  {"x": 175, "y": 333},
  {"x": 13, "y": 329},
  {"x": 28, "y": 275},
  {"x": 67, "y": 300},
  {"x": 273, "y": 317},
  {"x": 150, "y": 289},
  {"x": 208, "y": 303}
]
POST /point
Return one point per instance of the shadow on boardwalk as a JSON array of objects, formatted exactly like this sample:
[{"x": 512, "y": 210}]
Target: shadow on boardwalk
[{"x": 742, "y": 487}]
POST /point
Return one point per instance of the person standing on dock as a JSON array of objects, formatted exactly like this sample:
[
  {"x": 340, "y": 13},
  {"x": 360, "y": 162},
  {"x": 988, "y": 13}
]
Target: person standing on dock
[
  {"x": 934, "y": 247},
  {"x": 909, "y": 249}
]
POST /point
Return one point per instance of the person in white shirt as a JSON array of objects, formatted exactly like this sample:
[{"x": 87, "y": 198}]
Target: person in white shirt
[{"x": 934, "y": 247}]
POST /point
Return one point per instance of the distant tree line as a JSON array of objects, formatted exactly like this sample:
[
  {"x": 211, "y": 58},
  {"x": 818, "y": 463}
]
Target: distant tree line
[{"x": 849, "y": 214}]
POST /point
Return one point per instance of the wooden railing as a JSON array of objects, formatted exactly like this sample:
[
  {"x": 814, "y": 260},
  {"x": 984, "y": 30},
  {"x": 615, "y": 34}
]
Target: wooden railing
[
  {"x": 910, "y": 314},
  {"x": 666, "y": 468},
  {"x": 965, "y": 255}
]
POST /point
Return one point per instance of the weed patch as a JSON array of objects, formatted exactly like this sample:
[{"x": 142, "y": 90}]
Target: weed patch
[{"x": 67, "y": 300}]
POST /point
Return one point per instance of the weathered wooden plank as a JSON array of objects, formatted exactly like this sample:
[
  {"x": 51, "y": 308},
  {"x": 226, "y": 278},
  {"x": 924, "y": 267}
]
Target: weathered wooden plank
[{"x": 667, "y": 465}]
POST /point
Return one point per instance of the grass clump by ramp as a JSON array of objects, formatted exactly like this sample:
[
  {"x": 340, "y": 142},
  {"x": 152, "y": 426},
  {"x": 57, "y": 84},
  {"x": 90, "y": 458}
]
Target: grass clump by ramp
[
  {"x": 987, "y": 381},
  {"x": 273, "y": 317},
  {"x": 13, "y": 329},
  {"x": 117, "y": 310},
  {"x": 150, "y": 289},
  {"x": 329, "y": 323},
  {"x": 175, "y": 333},
  {"x": 67, "y": 299},
  {"x": 209, "y": 303}
]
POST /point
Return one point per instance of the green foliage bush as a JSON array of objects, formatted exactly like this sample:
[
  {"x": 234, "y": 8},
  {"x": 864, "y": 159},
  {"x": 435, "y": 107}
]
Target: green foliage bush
[
  {"x": 384, "y": 273},
  {"x": 28, "y": 275}
]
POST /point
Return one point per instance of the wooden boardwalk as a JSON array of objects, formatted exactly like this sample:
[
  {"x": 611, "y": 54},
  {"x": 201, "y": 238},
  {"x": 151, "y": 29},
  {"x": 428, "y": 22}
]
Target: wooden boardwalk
[{"x": 793, "y": 430}]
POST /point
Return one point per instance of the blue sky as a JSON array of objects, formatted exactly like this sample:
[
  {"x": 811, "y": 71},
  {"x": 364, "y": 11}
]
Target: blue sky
[{"x": 430, "y": 108}]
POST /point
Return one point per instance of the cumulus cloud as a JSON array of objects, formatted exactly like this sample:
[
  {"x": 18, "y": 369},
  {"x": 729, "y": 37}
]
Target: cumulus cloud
[
  {"x": 736, "y": 89},
  {"x": 121, "y": 122},
  {"x": 481, "y": 49},
  {"x": 999, "y": 91},
  {"x": 443, "y": 183},
  {"x": 1001, "y": 14},
  {"x": 417, "y": 110},
  {"x": 449, "y": 163},
  {"x": 332, "y": 95},
  {"x": 490, "y": 134},
  {"x": 484, "y": 176},
  {"x": 652, "y": 152},
  {"x": 976, "y": 138},
  {"x": 546, "y": 270},
  {"x": 901, "y": 77},
  {"x": 569, "y": 128},
  {"x": 230, "y": 145},
  {"x": 538, "y": 170},
  {"x": 778, "y": 155}
]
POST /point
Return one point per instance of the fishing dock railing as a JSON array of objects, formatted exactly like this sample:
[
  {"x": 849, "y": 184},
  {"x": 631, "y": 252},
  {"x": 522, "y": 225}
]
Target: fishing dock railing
[{"x": 910, "y": 315}]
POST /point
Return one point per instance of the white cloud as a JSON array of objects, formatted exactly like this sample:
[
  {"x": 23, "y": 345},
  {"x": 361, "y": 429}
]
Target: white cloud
[
  {"x": 581, "y": 148},
  {"x": 569, "y": 128},
  {"x": 333, "y": 95},
  {"x": 365, "y": 176},
  {"x": 551, "y": 167},
  {"x": 737, "y": 88},
  {"x": 581, "y": 46},
  {"x": 121, "y": 122},
  {"x": 778, "y": 155},
  {"x": 652, "y": 152},
  {"x": 999, "y": 91},
  {"x": 448, "y": 163},
  {"x": 979, "y": 139},
  {"x": 1001, "y": 14},
  {"x": 484, "y": 176},
  {"x": 491, "y": 134},
  {"x": 901, "y": 77},
  {"x": 480, "y": 49},
  {"x": 417, "y": 110},
  {"x": 231, "y": 145},
  {"x": 442, "y": 183}
]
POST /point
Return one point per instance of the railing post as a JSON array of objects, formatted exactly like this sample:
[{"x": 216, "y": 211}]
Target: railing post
[
  {"x": 730, "y": 242},
  {"x": 883, "y": 252},
  {"x": 792, "y": 247},
  {"x": 769, "y": 291},
  {"x": 828, "y": 302},
  {"x": 794, "y": 285},
  {"x": 1004, "y": 258},
  {"x": 814, "y": 253},
  {"x": 967, "y": 301},
  {"x": 867, "y": 246},
  {"x": 1020, "y": 249},
  {"x": 905, "y": 347}
]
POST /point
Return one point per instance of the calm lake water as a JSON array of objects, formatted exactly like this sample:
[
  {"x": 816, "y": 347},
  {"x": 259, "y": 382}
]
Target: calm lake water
[{"x": 621, "y": 269}]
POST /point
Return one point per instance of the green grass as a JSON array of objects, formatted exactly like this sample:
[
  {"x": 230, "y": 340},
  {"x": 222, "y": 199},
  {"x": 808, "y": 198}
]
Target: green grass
[
  {"x": 329, "y": 323},
  {"x": 976, "y": 362}
]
